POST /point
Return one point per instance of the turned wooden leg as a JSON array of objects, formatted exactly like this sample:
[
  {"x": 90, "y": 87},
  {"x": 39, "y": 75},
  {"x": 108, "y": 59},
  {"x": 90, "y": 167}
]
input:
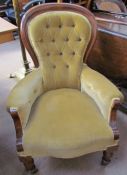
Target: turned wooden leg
[
  {"x": 107, "y": 155},
  {"x": 28, "y": 162},
  {"x": 106, "y": 158}
]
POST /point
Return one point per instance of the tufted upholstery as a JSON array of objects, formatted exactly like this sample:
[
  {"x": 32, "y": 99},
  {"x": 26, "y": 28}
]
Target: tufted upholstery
[
  {"x": 59, "y": 40},
  {"x": 63, "y": 105}
]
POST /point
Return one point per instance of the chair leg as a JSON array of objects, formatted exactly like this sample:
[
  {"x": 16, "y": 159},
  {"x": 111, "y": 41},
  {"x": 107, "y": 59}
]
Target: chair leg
[
  {"x": 28, "y": 162},
  {"x": 107, "y": 155}
]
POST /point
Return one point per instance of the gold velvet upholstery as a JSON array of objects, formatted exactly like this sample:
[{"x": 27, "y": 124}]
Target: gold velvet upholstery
[
  {"x": 103, "y": 92},
  {"x": 60, "y": 47},
  {"x": 58, "y": 128},
  {"x": 64, "y": 106},
  {"x": 25, "y": 93}
]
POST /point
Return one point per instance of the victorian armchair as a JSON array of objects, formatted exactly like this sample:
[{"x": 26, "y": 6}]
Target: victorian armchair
[{"x": 62, "y": 108}]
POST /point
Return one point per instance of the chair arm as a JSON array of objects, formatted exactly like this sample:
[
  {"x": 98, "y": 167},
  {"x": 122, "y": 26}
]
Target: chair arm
[
  {"x": 103, "y": 92},
  {"x": 24, "y": 94}
]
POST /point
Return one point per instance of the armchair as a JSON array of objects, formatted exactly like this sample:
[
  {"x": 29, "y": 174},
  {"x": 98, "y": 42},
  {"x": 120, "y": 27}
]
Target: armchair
[{"x": 63, "y": 108}]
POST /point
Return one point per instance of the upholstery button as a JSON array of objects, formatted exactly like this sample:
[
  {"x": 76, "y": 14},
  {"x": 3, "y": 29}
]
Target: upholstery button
[
  {"x": 41, "y": 40},
  {"x": 60, "y": 25},
  {"x": 60, "y": 53},
  {"x": 54, "y": 66},
  {"x": 53, "y": 40},
  {"x": 67, "y": 66},
  {"x": 79, "y": 39},
  {"x": 66, "y": 39},
  {"x": 47, "y": 26},
  {"x": 73, "y": 25},
  {"x": 73, "y": 53},
  {"x": 48, "y": 54}
]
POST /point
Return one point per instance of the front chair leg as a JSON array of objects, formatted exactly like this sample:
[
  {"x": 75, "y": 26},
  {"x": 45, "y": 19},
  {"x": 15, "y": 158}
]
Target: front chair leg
[
  {"x": 28, "y": 162},
  {"x": 106, "y": 158},
  {"x": 107, "y": 155}
]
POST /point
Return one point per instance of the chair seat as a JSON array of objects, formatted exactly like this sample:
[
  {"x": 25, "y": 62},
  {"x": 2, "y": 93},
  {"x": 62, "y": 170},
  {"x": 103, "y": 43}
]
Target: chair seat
[{"x": 66, "y": 123}]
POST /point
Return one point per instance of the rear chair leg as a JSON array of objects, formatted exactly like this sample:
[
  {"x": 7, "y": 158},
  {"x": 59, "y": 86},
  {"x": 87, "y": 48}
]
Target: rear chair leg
[{"x": 28, "y": 162}]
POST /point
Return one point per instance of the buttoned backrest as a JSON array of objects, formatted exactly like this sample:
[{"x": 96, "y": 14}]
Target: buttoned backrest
[{"x": 59, "y": 40}]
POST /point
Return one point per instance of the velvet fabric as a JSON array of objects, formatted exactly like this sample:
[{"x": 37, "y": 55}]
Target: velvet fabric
[
  {"x": 64, "y": 106},
  {"x": 60, "y": 40}
]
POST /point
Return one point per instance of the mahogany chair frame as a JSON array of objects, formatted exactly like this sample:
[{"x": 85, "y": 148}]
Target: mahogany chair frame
[{"x": 28, "y": 160}]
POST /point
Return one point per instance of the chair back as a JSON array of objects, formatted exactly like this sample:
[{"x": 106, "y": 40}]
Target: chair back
[{"x": 58, "y": 36}]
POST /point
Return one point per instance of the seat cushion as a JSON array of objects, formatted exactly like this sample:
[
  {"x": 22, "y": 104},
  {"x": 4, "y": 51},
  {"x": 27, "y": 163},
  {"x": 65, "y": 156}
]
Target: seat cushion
[{"x": 66, "y": 123}]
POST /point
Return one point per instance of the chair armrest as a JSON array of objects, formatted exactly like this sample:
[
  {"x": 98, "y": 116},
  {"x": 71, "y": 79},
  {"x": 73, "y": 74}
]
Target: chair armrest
[
  {"x": 24, "y": 94},
  {"x": 103, "y": 92}
]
